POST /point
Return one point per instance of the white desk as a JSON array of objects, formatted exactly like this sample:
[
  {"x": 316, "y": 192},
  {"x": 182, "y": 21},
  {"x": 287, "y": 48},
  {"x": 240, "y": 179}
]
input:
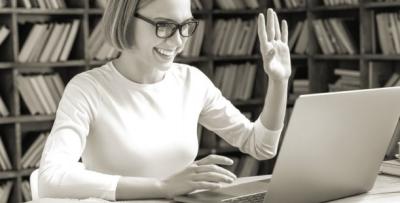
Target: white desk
[{"x": 385, "y": 190}]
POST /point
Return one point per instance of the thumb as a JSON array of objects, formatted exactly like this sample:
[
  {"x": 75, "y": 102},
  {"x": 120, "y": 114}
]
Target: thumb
[{"x": 215, "y": 159}]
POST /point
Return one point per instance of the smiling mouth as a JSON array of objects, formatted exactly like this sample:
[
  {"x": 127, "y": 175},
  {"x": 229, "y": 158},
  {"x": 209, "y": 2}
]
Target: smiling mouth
[{"x": 164, "y": 52}]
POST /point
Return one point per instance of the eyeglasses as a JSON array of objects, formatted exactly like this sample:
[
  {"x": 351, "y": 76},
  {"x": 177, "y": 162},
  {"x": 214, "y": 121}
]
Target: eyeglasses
[{"x": 165, "y": 29}]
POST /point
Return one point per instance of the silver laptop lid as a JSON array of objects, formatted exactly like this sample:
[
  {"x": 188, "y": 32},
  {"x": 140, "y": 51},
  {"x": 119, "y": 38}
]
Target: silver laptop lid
[{"x": 334, "y": 145}]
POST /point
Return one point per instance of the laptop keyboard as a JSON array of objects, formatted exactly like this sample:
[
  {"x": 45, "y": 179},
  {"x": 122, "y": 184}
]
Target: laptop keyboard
[{"x": 252, "y": 198}]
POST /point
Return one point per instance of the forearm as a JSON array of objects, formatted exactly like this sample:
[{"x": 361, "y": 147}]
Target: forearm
[
  {"x": 273, "y": 113},
  {"x": 139, "y": 188}
]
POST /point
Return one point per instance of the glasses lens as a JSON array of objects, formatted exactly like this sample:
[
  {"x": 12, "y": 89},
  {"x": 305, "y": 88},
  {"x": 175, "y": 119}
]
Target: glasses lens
[
  {"x": 188, "y": 29},
  {"x": 165, "y": 29}
]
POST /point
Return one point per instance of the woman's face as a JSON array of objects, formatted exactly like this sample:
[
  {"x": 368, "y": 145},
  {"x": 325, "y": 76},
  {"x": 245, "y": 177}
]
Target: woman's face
[{"x": 154, "y": 51}]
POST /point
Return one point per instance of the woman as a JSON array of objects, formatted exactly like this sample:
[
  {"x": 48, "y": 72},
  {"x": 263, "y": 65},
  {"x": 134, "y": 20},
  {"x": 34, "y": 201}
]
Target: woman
[{"x": 133, "y": 121}]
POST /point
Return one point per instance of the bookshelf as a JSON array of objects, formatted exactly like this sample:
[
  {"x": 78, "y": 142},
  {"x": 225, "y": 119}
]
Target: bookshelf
[{"x": 19, "y": 130}]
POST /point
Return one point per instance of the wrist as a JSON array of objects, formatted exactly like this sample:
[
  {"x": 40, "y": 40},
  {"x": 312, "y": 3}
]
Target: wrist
[
  {"x": 279, "y": 81},
  {"x": 163, "y": 188}
]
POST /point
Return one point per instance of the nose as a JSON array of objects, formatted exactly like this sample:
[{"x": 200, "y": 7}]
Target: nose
[{"x": 176, "y": 39}]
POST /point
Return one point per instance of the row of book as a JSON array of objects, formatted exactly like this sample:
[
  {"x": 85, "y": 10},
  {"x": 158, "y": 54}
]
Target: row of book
[
  {"x": 5, "y": 191},
  {"x": 298, "y": 41},
  {"x": 235, "y": 81},
  {"x": 394, "y": 80},
  {"x": 26, "y": 191},
  {"x": 41, "y": 93},
  {"x": 333, "y": 36},
  {"x": 340, "y": 2},
  {"x": 347, "y": 80},
  {"x": 388, "y": 26},
  {"x": 3, "y": 108},
  {"x": 31, "y": 158},
  {"x": 237, "y": 4},
  {"x": 49, "y": 42},
  {"x": 233, "y": 37},
  {"x": 44, "y": 4},
  {"x": 289, "y": 3},
  {"x": 5, "y": 163},
  {"x": 301, "y": 86},
  {"x": 193, "y": 44},
  {"x": 99, "y": 48}
]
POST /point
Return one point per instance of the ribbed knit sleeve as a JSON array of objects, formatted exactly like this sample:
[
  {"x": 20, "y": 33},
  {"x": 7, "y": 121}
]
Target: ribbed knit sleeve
[{"x": 60, "y": 173}]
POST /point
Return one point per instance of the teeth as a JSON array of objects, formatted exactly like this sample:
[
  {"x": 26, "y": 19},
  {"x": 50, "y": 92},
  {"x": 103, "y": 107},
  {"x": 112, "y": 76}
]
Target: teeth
[{"x": 165, "y": 52}]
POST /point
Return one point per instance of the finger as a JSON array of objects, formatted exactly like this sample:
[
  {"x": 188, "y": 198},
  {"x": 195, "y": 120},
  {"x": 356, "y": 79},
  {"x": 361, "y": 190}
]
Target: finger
[
  {"x": 215, "y": 159},
  {"x": 200, "y": 185},
  {"x": 277, "y": 28},
  {"x": 212, "y": 177},
  {"x": 215, "y": 168},
  {"x": 285, "y": 32},
  {"x": 270, "y": 25},
  {"x": 262, "y": 33}
]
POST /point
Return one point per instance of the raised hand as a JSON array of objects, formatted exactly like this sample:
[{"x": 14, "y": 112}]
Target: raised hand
[
  {"x": 274, "y": 47},
  {"x": 202, "y": 174}
]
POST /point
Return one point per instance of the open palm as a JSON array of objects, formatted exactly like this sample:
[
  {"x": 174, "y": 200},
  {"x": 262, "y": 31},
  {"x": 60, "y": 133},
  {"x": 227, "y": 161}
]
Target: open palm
[{"x": 274, "y": 47}]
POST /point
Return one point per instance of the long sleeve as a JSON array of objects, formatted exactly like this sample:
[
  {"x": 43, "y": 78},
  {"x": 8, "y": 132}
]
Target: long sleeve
[
  {"x": 60, "y": 173},
  {"x": 222, "y": 117}
]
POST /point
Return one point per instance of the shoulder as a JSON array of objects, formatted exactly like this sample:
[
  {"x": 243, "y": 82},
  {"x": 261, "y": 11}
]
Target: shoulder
[
  {"x": 188, "y": 72},
  {"x": 91, "y": 78}
]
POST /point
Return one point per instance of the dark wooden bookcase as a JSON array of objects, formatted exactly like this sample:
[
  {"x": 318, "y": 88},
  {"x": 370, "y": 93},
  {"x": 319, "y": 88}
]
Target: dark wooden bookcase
[{"x": 17, "y": 129}]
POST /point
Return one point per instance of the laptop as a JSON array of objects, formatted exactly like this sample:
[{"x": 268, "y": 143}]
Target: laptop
[{"x": 332, "y": 148}]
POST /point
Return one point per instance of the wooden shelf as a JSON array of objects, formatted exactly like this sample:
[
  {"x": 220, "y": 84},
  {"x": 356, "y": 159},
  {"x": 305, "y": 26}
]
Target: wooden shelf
[
  {"x": 334, "y": 8},
  {"x": 382, "y": 57},
  {"x": 4, "y": 65},
  {"x": 8, "y": 174},
  {"x": 238, "y": 12},
  {"x": 235, "y": 58},
  {"x": 26, "y": 119},
  {"x": 373, "y": 5},
  {"x": 96, "y": 11},
  {"x": 6, "y": 10},
  {"x": 290, "y": 10},
  {"x": 26, "y": 172},
  {"x": 336, "y": 57},
  {"x": 71, "y": 63},
  {"x": 192, "y": 59},
  {"x": 70, "y": 11}
]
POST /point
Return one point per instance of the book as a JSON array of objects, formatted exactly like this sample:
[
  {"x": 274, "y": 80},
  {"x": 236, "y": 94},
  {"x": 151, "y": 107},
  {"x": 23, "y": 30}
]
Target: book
[
  {"x": 390, "y": 167},
  {"x": 4, "y": 32},
  {"x": 70, "y": 40},
  {"x": 393, "y": 147},
  {"x": 4, "y": 156},
  {"x": 3, "y": 108},
  {"x": 33, "y": 36},
  {"x": 6, "y": 191}
]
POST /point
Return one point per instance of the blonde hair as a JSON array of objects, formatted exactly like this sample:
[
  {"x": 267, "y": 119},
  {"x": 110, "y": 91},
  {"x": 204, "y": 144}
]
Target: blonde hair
[{"x": 117, "y": 19}]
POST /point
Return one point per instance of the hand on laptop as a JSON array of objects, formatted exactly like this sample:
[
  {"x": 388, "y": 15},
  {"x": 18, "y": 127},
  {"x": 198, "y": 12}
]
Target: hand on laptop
[
  {"x": 202, "y": 174},
  {"x": 274, "y": 47}
]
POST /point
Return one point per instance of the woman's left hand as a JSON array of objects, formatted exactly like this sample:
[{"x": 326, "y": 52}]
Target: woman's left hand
[{"x": 274, "y": 47}]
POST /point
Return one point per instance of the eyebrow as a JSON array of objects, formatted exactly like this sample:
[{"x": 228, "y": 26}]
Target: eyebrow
[{"x": 171, "y": 20}]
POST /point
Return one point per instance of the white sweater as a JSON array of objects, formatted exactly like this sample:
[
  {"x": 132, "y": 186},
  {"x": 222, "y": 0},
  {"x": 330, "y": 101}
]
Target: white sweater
[{"x": 122, "y": 128}]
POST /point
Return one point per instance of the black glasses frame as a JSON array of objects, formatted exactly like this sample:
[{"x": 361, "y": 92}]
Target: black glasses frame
[{"x": 177, "y": 26}]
